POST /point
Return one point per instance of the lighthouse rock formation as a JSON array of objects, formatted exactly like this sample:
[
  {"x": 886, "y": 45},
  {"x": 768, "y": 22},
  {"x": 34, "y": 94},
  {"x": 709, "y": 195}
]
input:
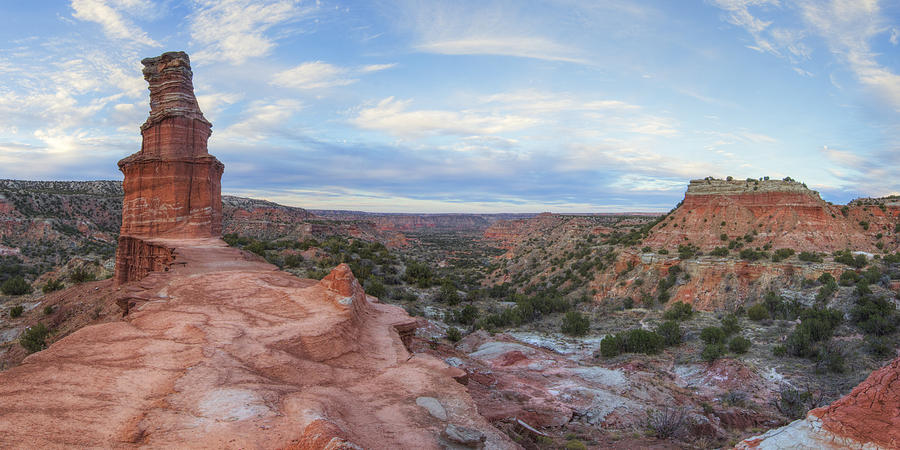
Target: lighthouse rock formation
[
  {"x": 173, "y": 185},
  {"x": 218, "y": 349}
]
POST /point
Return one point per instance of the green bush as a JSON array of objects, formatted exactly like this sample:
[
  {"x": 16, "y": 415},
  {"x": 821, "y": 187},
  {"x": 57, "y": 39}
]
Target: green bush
[
  {"x": 719, "y": 251},
  {"x": 670, "y": 332},
  {"x": 730, "y": 324},
  {"x": 758, "y": 312},
  {"x": 52, "y": 285},
  {"x": 453, "y": 334},
  {"x": 81, "y": 275},
  {"x": 752, "y": 255},
  {"x": 48, "y": 310},
  {"x": 739, "y": 344},
  {"x": 16, "y": 311},
  {"x": 575, "y": 324},
  {"x": 782, "y": 254},
  {"x": 467, "y": 315},
  {"x": 713, "y": 352},
  {"x": 374, "y": 287},
  {"x": 642, "y": 341},
  {"x": 712, "y": 335},
  {"x": 34, "y": 338},
  {"x": 810, "y": 257},
  {"x": 610, "y": 346},
  {"x": 294, "y": 260},
  {"x": 875, "y": 316},
  {"x": 679, "y": 311},
  {"x": 15, "y": 286},
  {"x": 448, "y": 294}
]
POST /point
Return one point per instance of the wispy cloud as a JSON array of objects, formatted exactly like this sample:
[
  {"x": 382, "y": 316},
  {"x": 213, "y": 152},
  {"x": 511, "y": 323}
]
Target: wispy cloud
[
  {"x": 849, "y": 27},
  {"x": 313, "y": 75},
  {"x": 483, "y": 28},
  {"x": 237, "y": 30},
  {"x": 393, "y": 116},
  {"x": 108, "y": 14}
]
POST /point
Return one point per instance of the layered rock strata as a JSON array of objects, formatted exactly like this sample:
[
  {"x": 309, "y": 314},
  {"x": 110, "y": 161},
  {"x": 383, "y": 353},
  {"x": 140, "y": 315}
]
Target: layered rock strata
[
  {"x": 784, "y": 214},
  {"x": 868, "y": 417},
  {"x": 173, "y": 185}
]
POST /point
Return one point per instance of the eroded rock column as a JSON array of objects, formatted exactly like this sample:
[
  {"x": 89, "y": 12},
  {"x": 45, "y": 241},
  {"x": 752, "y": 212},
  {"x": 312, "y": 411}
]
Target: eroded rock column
[{"x": 173, "y": 185}]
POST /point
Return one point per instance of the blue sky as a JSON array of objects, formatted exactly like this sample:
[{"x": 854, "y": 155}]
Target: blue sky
[{"x": 469, "y": 106}]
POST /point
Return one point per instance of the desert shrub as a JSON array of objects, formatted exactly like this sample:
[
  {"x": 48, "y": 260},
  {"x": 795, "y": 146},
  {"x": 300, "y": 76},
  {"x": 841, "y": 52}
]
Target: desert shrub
[
  {"x": 734, "y": 398},
  {"x": 16, "y": 311},
  {"x": 826, "y": 278},
  {"x": 830, "y": 358},
  {"x": 719, "y": 251},
  {"x": 752, "y": 255},
  {"x": 739, "y": 344},
  {"x": 849, "y": 278},
  {"x": 712, "y": 335},
  {"x": 15, "y": 286},
  {"x": 257, "y": 247},
  {"x": 34, "y": 338},
  {"x": 779, "y": 308},
  {"x": 48, "y": 310},
  {"x": 874, "y": 315},
  {"x": 827, "y": 290},
  {"x": 610, "y": 346},
  {"x": 575, "y": 444},
  {"x": 723, "y": 237},
  {"x": 687, "y": 251},
  {"x": 52, "y": 285},
  {"x": 467, "y": 315},
  {"x": 81, "y": 275},
  {"x": 448, "y": 293},
  {"x": 730, "y": 324},
  {"x": 293, "y": 260},
  {"x": 679, "y": 311},
  {"x": 670, "y": 332},
  {"x": 795, "y": 404},
  {"x": 642, "y": 341},
  {"x": 810, "y": 257},
  {"x": 575, "y": 324},
  {"x": 453, "y": 334},
  {"x": 418, "y": 274},
  {"x": 712, "y": 352},
  {"x": 782, "y": 253},
  {"x": 880, "y": 347},
  {"x": 758, "y": 312},
  {"x": 668, "y": 423},
  {"x": 374, "y": 287}
]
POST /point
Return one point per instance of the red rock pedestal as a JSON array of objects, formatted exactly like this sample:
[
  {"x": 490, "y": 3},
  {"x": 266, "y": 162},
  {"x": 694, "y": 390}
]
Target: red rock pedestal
[{"x": 173, "y": 185}]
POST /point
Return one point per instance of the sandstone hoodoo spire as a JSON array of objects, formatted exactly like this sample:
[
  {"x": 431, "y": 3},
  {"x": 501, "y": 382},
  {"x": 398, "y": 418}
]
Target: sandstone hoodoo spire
[{"x": 173, "y": 185}]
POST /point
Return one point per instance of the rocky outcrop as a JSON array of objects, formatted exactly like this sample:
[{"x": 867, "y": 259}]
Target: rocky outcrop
[
  {"x": 867, "y": 417},
  {"x": 783, "y": 214},
  {"x": 225, "y": 352},
  {"x": 219, "y": 349},
  {"x": 173, "y": 185}
]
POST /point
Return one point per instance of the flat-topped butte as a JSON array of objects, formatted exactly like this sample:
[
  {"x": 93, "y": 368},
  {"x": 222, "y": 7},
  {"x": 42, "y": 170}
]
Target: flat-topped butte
[{"x": 712, "y": 186}]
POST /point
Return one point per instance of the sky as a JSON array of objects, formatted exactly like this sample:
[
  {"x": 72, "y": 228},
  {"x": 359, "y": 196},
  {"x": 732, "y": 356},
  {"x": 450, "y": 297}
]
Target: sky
[{"x": 468, "y": 106}]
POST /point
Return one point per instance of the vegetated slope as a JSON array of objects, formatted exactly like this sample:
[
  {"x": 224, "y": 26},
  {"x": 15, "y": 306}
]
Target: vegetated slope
[
  {"x": 777, "y": 214},
  {"x": 45, "y": 223}
]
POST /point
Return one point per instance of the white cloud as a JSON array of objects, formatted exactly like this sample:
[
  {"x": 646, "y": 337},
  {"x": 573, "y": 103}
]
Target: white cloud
[
  {"x": 848, "y": 27},
  {"x": 114, "y": 24},
  {"x": 538, "y": 102},
  {"x": 393, "y": 116},
  {"x": 895, "y": 36},
  {"x": 377, "y": 67},
  {"x": 313, "y": 75},
  {"x": 236, "y": 30},
  {"x": 520, "y": 46},
  {"x": 262, "y": 119},
  {"x": 483, "y": 28}
]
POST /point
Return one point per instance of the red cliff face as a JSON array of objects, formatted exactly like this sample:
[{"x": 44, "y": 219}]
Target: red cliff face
[
  {"x": 173, "y": 185},
  {"x": 784, "y": 214}
]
